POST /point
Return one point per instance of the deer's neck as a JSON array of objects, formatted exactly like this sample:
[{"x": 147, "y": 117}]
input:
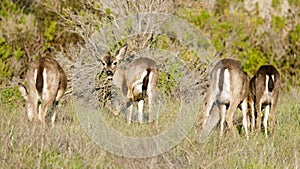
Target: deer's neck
[{"x": 120, "y": 81}]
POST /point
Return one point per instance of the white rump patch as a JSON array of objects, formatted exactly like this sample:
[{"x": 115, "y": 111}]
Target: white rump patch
[
  {"x": 273, "y": 77},
  {"x": 225, "y": 93},
  {"x": 35, "y": 75},
  {"x": 226, "y": 85},
  {"x": 267, "y": 97},
  {"x": 267, "y": 83},
  {"x": 138, "y": 84},
  {"x": 216, "y": 90}
]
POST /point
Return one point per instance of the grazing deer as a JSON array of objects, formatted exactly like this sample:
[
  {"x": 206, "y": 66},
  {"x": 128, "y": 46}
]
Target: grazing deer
[
  {"x": 47, "y": 83},
  {"x": 228, "y": 89},
  {"x": 136, "y": 81},
  {"x": 263, "y": 93}
]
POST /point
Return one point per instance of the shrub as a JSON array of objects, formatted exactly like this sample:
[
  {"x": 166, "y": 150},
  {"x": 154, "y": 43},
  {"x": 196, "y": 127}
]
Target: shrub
[{"x": 10, "y": 96}]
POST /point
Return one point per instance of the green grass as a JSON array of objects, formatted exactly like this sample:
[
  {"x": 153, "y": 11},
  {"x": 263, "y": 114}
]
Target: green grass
[{"x": 24, "y": 145}]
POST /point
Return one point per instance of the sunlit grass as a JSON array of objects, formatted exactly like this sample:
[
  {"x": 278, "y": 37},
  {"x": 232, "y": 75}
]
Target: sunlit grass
[
  {"x": 163, "y": 119},
  {"x": 25, "y": 145}
]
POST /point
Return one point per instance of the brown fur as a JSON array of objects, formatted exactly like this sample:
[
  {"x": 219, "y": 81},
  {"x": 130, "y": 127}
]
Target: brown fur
[
  {"x": 41, "y": 94},
  {"x": 238, "y": 93},
  {"x": 257, "y": 101},
  {"x": 125, "y": 79}
]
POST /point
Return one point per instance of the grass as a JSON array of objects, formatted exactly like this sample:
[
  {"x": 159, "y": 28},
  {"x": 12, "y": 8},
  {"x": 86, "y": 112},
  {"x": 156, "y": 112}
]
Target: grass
[
  {"x": 25, "y": 145},
  {"x": 168, "y": 114}
]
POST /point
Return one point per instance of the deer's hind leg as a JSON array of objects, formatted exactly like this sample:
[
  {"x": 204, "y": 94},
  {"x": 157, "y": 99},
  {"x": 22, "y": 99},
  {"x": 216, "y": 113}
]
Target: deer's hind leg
[
  {"x": 244, "y": 106},
  {"x": 151, "y": 92},
  {"x": 229, "y": 115},
  {"x": 252, "y": 115},
  {"x": 45, "y": 105},
  {"x": 222, "y": 108},
  {"x": 54, "y": 105},
  {"x": 258, "y": 107}
]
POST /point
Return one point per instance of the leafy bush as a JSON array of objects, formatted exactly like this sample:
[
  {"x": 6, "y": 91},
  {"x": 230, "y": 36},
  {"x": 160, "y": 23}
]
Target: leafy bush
[
  {"x": 170, "y": 72},
  {"x": 254, "y": 59},
  {"x": 237, "y": 35},
  {"x": 10, "y": 96},
  {"x": 27, "y": 31},
  {"x": 5, "y": 54}
]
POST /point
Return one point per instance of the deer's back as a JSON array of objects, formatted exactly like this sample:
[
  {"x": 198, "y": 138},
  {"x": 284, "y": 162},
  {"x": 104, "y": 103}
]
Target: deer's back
[
  {"x": 49, "y": 67},
  {"x": 258, "y": 82},
  {"x": 237, "y": 76},
  {"x": 137, "y": 66},
  {"x": 267, "y": 70}
]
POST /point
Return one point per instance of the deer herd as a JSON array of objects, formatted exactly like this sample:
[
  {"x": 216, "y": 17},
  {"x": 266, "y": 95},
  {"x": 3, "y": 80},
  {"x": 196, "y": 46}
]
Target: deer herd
[{"x": 230, "y": 88}]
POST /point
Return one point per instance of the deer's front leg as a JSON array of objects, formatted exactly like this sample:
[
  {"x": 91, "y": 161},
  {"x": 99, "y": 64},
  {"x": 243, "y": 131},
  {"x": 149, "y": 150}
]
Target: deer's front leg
[
  {"x": 208, "y": 106},
  {"x": 129, "y": 114}
]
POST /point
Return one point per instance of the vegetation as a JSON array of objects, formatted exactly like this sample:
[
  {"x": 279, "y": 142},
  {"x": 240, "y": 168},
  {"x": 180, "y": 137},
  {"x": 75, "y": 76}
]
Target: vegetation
[
  {"x": 27, "y": 31},
  {"x": 67, "y": 145},
  {"x": 31, "y": 29}
]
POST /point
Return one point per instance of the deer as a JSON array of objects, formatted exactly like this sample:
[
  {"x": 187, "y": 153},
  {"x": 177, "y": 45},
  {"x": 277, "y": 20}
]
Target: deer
[
  {"x": 137, "y": 81},
  {"x": 227, "y": 91},
  {"x": 264, "y": 88},
  {"x": 47, "y": 83}
]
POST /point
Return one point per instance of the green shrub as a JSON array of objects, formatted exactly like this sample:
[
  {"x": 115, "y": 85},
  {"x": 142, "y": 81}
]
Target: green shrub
[
  {"x": 169, "y": 76},
  {"x": 254, "y": 59},
  {"x": 10, "y": 96},
  {"x": 49, "y": 33},
  {"x": 5, "y": 54},
  {"x": 295, "y": 37},
  {"x": 278, "y": 23}
]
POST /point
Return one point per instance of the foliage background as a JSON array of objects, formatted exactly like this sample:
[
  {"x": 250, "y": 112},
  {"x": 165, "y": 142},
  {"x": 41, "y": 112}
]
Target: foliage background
[{"x": 254, "y": 32}]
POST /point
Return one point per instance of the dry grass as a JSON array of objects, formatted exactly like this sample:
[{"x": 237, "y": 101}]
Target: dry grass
[{"x": 24, "y": 145}]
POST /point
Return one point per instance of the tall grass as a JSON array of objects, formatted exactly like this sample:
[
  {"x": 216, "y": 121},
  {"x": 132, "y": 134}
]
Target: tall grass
[{"x": 25, "y": 145}]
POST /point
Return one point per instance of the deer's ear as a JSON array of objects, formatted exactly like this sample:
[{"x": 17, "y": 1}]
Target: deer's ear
[
  {"x": 23, "y": 91},
  {"x": 121, "y": 52}
]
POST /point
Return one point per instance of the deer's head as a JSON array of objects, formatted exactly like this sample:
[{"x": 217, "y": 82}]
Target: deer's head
[
  {"x": 28, "y": 104},
  {"x": 110, "y": 62}
]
